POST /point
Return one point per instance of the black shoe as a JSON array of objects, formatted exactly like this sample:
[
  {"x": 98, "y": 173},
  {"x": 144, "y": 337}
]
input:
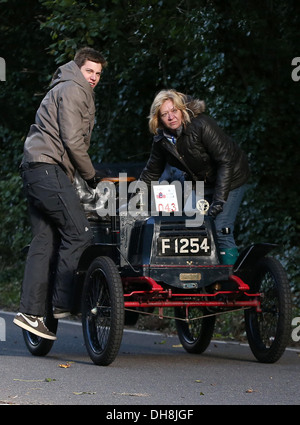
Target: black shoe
[
  {"x": 33, "y": 324},
  {"x": 60, "y": 313}
]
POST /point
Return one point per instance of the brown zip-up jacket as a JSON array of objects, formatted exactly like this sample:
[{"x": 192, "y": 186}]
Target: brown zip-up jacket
[{"x": 63, "y": 124}]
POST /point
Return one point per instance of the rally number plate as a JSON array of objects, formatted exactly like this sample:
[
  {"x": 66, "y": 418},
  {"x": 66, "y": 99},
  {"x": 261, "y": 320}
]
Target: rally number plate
[{"x": 172, "y": 246}]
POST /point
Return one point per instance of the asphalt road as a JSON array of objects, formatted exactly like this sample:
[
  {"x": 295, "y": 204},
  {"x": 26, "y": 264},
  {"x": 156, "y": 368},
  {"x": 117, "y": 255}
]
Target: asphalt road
[{"x": 152, "y": 369}]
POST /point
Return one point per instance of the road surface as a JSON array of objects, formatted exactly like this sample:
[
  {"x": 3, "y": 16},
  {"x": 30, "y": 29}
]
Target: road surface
[{"x": 151, "y": 369}]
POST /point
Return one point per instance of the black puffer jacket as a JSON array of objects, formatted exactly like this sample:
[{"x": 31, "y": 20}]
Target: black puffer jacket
[{"x": 205, "y": 153}]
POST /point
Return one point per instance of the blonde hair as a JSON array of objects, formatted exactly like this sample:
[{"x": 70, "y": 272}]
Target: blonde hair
[{"x": 181, "y": 102}]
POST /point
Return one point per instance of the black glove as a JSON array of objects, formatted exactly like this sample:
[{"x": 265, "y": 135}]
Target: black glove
[
  {"x": 215, "y": 208},
  {"x": 92, "y": 182},
  {"x": 99, "y": 174}
]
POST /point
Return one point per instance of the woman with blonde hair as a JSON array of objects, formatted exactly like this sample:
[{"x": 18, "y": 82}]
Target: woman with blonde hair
[{"x": 191, "y": 141}]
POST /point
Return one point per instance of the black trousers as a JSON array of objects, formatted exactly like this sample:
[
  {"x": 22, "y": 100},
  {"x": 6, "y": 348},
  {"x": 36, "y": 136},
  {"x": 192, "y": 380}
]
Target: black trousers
[{"x": 60, "y": 232}]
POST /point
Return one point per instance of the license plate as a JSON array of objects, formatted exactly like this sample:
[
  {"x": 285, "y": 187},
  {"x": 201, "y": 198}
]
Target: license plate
[{"x": 183, "y": 246}]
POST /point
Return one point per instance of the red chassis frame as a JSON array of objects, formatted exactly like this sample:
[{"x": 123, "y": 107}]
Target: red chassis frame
[{"x": 157, "y": 296}]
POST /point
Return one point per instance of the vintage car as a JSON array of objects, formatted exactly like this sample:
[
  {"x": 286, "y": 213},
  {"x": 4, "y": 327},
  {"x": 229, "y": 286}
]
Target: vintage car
[{"x": 145, "y": 261}]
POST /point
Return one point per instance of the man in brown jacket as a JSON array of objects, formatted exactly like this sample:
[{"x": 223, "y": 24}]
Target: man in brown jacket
[{"x": 56, "y": 146}]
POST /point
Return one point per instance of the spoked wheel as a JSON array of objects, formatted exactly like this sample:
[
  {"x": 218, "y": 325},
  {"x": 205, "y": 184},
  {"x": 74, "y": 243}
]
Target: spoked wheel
[
  {"x": 194, "y": 335},
  {"x": 40, "y": 346},
  {"x": 103, "y": 311},
  {"x": 269, "y": 331}
]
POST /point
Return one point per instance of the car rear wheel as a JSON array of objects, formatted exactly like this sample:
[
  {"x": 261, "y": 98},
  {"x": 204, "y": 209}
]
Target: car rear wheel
[{"x": 194, "y": 332}]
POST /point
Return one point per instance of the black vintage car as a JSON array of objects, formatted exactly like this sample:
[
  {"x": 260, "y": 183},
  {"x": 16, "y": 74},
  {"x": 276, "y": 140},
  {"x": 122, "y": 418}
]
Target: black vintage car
[{"x": 146, "y": 262}]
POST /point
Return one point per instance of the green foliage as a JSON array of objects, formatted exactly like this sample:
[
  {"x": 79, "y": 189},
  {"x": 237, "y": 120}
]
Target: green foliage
[
  {"x": 12, "y": 213},
  {"x": 14, "y": 235},
  {"x": 235, "y": 55}
]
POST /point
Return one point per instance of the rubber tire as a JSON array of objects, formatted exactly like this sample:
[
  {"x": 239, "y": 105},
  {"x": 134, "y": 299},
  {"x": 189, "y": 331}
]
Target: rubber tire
[
  {"x": 194, "y": 340},
  {"x": 40, "y": 346},
  {"x": 269, "y": 278},
  {"x": 103, "y": 279}
]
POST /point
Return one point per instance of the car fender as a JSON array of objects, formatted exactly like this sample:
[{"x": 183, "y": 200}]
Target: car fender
[{"x": 250, "y": 256}]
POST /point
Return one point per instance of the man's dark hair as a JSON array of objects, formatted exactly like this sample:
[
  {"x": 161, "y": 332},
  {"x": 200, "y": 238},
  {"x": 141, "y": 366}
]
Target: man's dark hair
[{"x": 89, "y": 54}]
